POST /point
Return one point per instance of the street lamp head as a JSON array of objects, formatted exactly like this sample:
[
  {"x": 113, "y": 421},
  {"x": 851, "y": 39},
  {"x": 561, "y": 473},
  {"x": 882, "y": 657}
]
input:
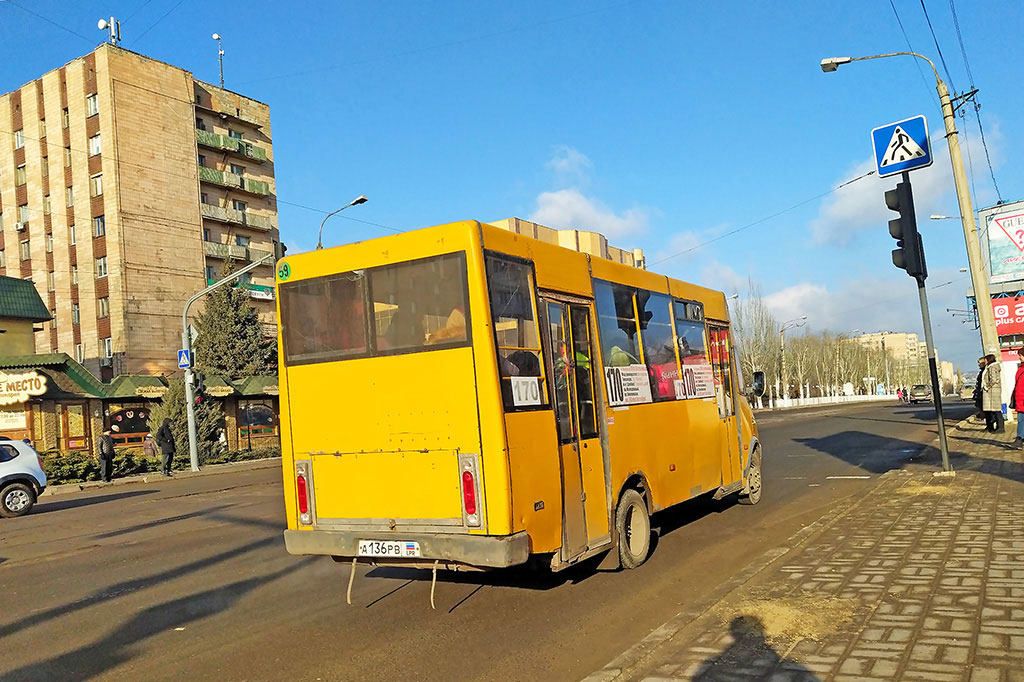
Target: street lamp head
[
  {"x": 830, "y": 64},
  {"x": 361, "y": 199}
]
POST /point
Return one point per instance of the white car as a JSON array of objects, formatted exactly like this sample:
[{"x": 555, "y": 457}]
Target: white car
[{"x": 22, "y": 479}]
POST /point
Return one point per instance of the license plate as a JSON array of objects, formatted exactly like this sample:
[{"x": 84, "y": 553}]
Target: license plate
[{"x": 389, "y": 548}]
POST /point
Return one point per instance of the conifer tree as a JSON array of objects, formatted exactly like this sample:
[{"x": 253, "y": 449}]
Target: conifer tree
[
  {"x": 209, "y": 422},
  {"x": 231, "y": 342}
]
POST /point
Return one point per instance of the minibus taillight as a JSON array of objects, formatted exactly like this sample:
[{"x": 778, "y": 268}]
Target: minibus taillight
[
  {"x": 302, "y": 493},
  {"x": 300, "y": 486},
  {"x": 468, "y": 493}
]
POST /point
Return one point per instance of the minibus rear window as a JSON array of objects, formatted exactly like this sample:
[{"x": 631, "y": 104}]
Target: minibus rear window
[{"x": 399, "y": 308}]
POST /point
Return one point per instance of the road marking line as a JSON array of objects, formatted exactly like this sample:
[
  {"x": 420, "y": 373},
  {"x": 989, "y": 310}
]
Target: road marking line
[
  {"x": 794, "y": 478},
  {"x": 827, "y": 478}
]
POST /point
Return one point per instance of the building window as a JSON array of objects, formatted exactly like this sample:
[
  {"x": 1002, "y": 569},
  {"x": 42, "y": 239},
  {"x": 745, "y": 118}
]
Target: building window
[
  {"x": 211, "y": 274},
  {"x": 71, "y": 197},
  {"x": 99, "y": 226},
  {"x": 106, "y": 348},
  {"x": 19, "y": 139},
  {"x": 91, "y": 105},
  {"x": 23, "y": 214},
  {"x": 53, "y": 318},
  {"x": 75, "y": 311},
  {"x": 49, "y": 242},
  {"x": 241, "y": 240},
  {"x": 26, "y": 253},
  {"x": 50, "y": 283},
  {"x": 65, "y": 118},
  {"x": 44, "y": 162},
  {"x": 74, "y": 274},
  {"x": 71, "y": 235},
  {"x": 245, "y": 278},
  {"x": 67, "y": 157},
  {"x": 102, "y": 307},
  {"x": 204, "y": 198},
  {"x": 19, "y": 176},
  {"x": 238, "y": 205},
  {"x": 235, "y": 134},
  {"x": 96, "y": 185},
  {"x": 237, "y": 170},
  {"x": 42, "y": 127},
  {"x": 202, "y": 160},
  {"x": 47, "y": 205},
  {"x": 3, "y": 259},
  {"x": 200, "y": 123},
  {"x": 206, "y": 234},
  {"x": 95, "y": 146},
  {"x": 101, "y": 267},
  {"x": 79, "y": 350}
]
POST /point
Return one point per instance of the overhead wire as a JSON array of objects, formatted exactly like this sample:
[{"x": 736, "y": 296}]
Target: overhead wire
[
  {"x": 938, "y": 49},
  {"x": 917, "y": 63},
  {"x": 764, "y": 219},
  {"x": 52, "y": 22},
  {"x": 155, "y": 23}
]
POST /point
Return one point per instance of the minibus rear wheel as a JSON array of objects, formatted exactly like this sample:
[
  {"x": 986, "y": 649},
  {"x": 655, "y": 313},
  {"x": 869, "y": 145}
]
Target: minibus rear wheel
[{"x": 633, "y": 525}]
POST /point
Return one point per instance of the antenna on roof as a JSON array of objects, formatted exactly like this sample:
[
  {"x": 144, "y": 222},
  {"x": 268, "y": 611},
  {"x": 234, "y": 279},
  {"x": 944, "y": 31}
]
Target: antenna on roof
[{"x": 114, "y": 28}]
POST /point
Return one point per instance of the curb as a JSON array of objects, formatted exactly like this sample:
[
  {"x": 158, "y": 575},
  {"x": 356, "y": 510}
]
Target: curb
[
  {"x": 637, "y": 654},
  {"x": 155, "y": 476}
]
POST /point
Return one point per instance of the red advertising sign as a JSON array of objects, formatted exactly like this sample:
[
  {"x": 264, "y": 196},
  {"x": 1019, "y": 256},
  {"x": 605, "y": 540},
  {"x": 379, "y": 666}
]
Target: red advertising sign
[{"x": 1009, "y": 313}]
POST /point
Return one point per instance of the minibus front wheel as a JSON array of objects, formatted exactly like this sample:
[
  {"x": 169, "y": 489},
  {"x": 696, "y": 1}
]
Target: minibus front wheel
[{"x": 633, "y": 525}]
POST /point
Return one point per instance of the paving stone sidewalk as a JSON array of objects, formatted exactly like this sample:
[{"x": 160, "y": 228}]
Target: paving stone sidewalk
[{"x": 922, "y": 578}]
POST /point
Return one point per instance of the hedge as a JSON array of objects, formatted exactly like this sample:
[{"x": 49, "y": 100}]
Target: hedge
[{"x": 77, "y": 466}]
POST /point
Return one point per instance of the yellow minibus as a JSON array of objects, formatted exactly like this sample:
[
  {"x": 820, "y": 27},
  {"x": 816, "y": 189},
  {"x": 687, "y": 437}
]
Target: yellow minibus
[{"x": 463, "y": 396}]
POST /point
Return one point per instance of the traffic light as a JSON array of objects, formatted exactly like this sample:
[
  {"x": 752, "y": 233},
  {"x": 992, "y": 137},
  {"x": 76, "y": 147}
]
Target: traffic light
[
  {"x": 910, "y": 252},
  {"x": 198, "y": 387},
  {"x": 279, "y": 250}
]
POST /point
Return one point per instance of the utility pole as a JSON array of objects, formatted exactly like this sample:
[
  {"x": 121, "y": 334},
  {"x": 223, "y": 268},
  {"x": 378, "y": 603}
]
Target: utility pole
[
  {"x": 186, "y": 343},
  {"x": 888, "y": 388}
]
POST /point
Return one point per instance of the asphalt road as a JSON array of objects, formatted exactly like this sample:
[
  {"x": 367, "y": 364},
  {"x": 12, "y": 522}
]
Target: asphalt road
[{"x": 189, "y": 579}]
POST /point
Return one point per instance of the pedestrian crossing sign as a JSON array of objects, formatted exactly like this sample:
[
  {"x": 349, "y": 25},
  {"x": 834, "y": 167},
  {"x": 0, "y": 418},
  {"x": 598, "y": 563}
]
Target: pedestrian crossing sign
[
  {"x": 184, "y": 359},
  {"x": 901, "y": 146}
]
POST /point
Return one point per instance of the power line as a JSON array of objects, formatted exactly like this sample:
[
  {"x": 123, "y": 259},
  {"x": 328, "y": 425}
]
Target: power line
[
  {"x": 340, "y": 215},
  {"x": 761, "y": 220},
  {"x": 917, "y": 62},
  {"x": 154, "y": 24},
  {"x": 938, "y": 49},
  {"x": 51, "y": 22},
  {"x": 960, "y": 39}
]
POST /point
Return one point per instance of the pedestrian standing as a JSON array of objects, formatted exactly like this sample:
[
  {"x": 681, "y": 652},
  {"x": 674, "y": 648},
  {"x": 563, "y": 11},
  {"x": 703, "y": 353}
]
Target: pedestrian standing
[
  {"x": 982, "y": 363},
  {"x": 1017, "y": 398},
  {"x": 899, "y": 395},
  {"x": 992, "y": 394},
  {"x": 149, "y": 446},
  {"x": 165, "y": 440},
  {"x": 106, "y": 456}
]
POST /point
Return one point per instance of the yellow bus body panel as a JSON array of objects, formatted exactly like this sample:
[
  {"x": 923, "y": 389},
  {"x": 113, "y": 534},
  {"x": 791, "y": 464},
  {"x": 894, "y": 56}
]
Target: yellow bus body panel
[{"x": 536, "y": 479}]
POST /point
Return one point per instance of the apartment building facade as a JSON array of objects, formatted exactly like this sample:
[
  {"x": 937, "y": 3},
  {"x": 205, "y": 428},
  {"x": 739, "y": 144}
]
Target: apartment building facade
[{"x": 125, "y": 186}]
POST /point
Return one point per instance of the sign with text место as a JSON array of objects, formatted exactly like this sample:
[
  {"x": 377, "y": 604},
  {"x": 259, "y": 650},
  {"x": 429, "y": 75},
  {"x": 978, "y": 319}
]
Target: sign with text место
[{"x": 17, "y": 388}]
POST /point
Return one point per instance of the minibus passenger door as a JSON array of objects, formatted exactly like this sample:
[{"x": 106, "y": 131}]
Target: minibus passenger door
[
  {"x": 721, "y": 358},
  {"x": 563, "y": 392}
]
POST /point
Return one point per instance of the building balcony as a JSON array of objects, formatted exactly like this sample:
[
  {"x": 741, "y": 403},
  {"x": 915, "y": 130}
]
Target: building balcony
[
  {"x": 232, "y": 144},
  {"x": 230, "y": 215},
  {"x": 240, "y": 182},
  {"x": 233, "y": 252}
]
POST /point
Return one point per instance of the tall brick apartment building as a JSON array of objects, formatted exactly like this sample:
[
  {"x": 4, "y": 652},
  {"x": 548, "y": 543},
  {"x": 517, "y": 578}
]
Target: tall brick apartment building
[{"x": 125, "y": 185}]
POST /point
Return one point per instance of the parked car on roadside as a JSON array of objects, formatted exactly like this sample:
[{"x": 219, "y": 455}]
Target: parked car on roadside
[
  {"x": 22, "y": 479},
  {"x": 920, "y": 393}
]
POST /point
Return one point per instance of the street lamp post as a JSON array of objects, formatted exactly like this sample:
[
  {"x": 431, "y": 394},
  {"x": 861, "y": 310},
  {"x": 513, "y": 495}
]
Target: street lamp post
[
  {"x": 979, "y": 280},
  {"x": 361, "y": 199},
  {"x": 796, "y": 322}
]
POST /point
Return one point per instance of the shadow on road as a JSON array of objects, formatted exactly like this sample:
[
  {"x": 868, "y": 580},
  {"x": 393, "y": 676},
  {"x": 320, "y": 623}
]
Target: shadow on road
[
  {"x": 750, "y": 657},
  {"x": 158, "y": 522},
  {"x": 43, "y": 507},
  {"x": 93, "y": 659}
]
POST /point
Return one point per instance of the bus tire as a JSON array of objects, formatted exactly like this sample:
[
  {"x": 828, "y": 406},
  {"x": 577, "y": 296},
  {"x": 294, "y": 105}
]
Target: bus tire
[
  {"x": 752, "y": 493},
  {"x": 633, "y": 525}
]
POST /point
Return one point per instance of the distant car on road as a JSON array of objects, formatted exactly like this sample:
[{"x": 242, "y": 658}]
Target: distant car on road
[
  {"x": 920, "y": 393},
  {"x": 22, "y": 479}
]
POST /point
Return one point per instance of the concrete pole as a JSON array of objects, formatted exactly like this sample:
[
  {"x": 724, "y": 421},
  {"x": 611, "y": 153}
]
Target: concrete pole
[
  {"x": 782, "y": 373},
  {"x": 979, "y": 277}
]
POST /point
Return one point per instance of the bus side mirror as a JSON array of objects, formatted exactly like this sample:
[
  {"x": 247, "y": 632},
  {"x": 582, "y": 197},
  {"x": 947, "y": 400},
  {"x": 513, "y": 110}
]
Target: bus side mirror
[{"x": 758, "y": 388}]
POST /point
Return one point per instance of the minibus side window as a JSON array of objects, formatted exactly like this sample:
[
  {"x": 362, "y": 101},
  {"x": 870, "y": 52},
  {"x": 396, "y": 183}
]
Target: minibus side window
[
  {"x": 627, "y": 377},
  {"x": 324, "y": 318},
  {"x": 514, "y": 314},
  {"x": 655, "y": 313}
]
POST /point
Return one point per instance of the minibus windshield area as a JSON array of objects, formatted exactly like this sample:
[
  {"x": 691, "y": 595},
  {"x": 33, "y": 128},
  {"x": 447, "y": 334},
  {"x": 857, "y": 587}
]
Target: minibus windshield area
[{"x": 404, "y": 307}]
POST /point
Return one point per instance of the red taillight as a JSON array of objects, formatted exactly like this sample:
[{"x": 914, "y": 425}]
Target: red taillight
[
  {"x": 300, "y": 487},
  {"x": 469, "y": 493}
]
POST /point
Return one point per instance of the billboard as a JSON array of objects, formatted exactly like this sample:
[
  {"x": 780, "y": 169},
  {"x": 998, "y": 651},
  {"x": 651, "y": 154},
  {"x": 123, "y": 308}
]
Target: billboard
[
  {"x": 1009, "y": 314},
  {"x": 1004, "y": 227}
]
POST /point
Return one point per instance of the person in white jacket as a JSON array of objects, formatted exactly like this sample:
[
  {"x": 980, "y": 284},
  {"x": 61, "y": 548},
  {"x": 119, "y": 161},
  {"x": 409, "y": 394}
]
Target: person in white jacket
[{"x": 992, "y": 394}]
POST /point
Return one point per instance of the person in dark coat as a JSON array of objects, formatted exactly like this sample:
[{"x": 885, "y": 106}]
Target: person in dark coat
[
  {"x": 165, "y": 440},
  {"x": 982, "y": 363},
  {"x": 106, "y": 456}
]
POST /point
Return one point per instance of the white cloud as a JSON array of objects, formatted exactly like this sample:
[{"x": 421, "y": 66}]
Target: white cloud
[
  {"x": 570, "y": 166},
  {"x": 861, "y": 205},
  {"x": 570, "y": 209}
]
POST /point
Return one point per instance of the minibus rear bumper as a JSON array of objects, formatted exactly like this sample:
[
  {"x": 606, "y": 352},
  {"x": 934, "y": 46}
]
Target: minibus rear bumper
[{"x": 490, "y": 551}]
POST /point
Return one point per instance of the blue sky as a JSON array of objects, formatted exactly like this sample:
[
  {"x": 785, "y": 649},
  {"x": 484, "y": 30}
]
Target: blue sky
[{"x": 662, "y": 123}]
